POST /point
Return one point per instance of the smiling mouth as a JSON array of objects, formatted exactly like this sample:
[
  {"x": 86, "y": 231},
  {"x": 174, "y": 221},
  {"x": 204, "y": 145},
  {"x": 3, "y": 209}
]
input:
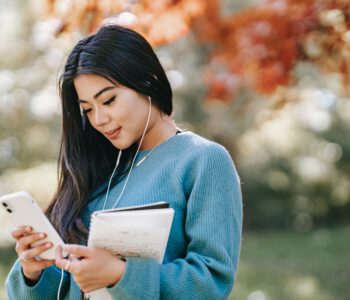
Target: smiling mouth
[{"x": 113, "y": 133}]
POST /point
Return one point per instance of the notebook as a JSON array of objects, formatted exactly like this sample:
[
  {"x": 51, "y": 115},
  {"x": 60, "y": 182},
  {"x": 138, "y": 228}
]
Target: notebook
[{"x": 138, "y": 231}]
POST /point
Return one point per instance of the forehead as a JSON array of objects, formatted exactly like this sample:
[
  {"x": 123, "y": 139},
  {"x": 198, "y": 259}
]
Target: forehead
[{"x": 88, "y": 85}]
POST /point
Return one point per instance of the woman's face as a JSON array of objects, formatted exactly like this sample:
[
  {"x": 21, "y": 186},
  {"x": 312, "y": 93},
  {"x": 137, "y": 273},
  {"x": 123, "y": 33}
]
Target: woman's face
[{"x": 116, "y": 111}]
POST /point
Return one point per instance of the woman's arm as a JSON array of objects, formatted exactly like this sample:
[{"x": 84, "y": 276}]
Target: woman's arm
[
  {"x": 46, "y": 288},
  {"x": 213, "y": 230},
  {"x": 29, "y": 277}
]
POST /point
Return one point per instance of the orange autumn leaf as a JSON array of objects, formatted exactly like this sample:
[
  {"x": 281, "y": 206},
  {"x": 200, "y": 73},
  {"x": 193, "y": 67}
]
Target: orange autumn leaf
[{"x": 257, "y": 47}]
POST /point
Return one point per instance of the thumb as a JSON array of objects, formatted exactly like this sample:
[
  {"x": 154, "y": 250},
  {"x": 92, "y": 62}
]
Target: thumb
[{"x": 78, "y": 250}]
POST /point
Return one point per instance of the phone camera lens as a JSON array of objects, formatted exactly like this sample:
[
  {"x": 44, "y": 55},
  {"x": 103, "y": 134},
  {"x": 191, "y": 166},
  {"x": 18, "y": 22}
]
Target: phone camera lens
[
  {"x": 9, "y": 210},
  {"x": 4, "y": 204}
]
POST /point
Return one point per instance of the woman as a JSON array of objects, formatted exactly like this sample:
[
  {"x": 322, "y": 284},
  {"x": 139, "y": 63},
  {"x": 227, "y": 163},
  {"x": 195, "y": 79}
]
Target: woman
[{"x": 120, "y": 147}]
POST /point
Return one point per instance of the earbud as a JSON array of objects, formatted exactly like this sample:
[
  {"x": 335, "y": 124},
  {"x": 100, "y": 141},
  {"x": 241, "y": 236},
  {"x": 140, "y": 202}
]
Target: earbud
[{"x": 149, "y": 99}]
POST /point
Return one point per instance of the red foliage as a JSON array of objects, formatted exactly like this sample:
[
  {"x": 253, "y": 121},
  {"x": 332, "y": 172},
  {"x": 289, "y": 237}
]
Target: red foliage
[
  {"x": 257, "y": 47},
  {"x": 260, "y": 44}
]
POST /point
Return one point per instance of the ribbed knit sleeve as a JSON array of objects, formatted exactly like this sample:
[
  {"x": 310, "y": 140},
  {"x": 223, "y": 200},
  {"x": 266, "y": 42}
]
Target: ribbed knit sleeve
[
  {"x": 46, "y": 288},
  {"x": 213, "y": 226},
  {"x": 199, "y": 180}
]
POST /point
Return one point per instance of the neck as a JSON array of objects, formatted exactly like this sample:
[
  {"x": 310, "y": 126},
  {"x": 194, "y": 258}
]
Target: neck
[{"x": 159, "y": 131}]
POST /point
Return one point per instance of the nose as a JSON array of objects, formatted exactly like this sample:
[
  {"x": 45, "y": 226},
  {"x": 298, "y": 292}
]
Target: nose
[{"x": 100, "y": 117}]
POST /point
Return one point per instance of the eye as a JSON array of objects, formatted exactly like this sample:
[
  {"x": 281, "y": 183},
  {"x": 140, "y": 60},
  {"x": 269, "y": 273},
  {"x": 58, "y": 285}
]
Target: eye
[
  {"x": 86, "y": 111},
  {"x": 109, "y": 101}
]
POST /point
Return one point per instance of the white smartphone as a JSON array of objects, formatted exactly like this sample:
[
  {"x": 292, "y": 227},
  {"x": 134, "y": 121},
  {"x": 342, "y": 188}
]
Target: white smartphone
[{"x": 22, "y": 210}]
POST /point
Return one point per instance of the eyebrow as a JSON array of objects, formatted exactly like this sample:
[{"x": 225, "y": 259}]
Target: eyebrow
[{"x": 107, "y": 88}]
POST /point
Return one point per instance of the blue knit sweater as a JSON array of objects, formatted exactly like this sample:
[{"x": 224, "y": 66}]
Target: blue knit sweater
[{"x": 198, "y": 178}]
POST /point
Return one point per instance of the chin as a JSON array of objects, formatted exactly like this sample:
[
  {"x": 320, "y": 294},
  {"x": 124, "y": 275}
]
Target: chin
[{"x": 120, "y": 145}]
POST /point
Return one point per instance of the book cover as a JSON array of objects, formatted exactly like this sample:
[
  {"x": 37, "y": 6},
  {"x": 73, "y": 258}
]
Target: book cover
[{"x": 138, "y": 231}]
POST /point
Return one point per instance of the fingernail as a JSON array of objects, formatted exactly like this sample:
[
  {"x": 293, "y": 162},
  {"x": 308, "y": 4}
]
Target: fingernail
[
  {"x": 48, "y": 245},
  {"x": 41, "y": 235},
  {"x": 28, "y": 229}
]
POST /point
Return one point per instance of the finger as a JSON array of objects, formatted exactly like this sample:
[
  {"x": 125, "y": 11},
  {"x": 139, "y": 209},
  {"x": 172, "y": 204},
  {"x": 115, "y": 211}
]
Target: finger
[
  {"x": 33, "y": 252},
  {"x": 60, "y": 261},
  {"x": 42, "y": 264},
  {"x": 58, "y": 253},
  {"x": 26, "y": 241},
  {"x": 18, "y": 232},
  {"x": 38, "y": 265},
  {"x": 72, "y": 264},
  {"x": 73, "y": 257},
  {"x": 78, "y": 250}
]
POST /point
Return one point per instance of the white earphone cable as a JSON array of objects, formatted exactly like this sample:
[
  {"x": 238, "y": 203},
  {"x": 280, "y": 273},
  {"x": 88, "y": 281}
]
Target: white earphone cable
[
  {"x": 133, "y": 161},
  {"x": 110, "y": 180},
  {"x": 60, "y": 286}
]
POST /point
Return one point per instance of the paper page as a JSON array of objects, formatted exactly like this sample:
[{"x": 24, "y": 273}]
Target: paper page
[
  {"x": 137, "y": 233},
  {"x": 129, "y": 241}
]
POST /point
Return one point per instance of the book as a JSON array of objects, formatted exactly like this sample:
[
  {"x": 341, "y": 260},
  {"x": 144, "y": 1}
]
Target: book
[{"x": 137, "y": 231}]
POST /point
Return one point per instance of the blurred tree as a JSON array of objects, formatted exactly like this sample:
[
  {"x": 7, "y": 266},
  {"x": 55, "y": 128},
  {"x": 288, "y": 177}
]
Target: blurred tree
[
  {"x": 293, "y": 162},
  {"x": 287, "y": 135},
  {"x": 256, "y": 47}
]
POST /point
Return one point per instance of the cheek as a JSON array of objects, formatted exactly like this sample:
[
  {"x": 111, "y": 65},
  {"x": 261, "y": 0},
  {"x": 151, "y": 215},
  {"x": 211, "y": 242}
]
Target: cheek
[{"x": 135, "y": 117}]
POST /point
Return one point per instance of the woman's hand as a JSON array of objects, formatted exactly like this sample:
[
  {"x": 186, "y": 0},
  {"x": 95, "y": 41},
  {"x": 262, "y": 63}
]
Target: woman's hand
[
  {"x": 26, "y": 252},
  {"x": 95, "y": 268}
]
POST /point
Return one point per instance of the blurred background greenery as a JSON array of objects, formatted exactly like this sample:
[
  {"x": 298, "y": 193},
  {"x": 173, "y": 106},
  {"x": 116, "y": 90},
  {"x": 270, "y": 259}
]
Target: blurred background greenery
[{"x": 289, "y": 144}]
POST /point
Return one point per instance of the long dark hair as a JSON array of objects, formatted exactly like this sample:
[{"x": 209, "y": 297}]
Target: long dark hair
[{"x": 86, "y": 157}]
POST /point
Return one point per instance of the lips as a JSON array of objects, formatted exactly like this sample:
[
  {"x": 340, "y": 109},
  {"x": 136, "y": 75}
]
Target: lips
[{"x": 113, "y": 133}]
